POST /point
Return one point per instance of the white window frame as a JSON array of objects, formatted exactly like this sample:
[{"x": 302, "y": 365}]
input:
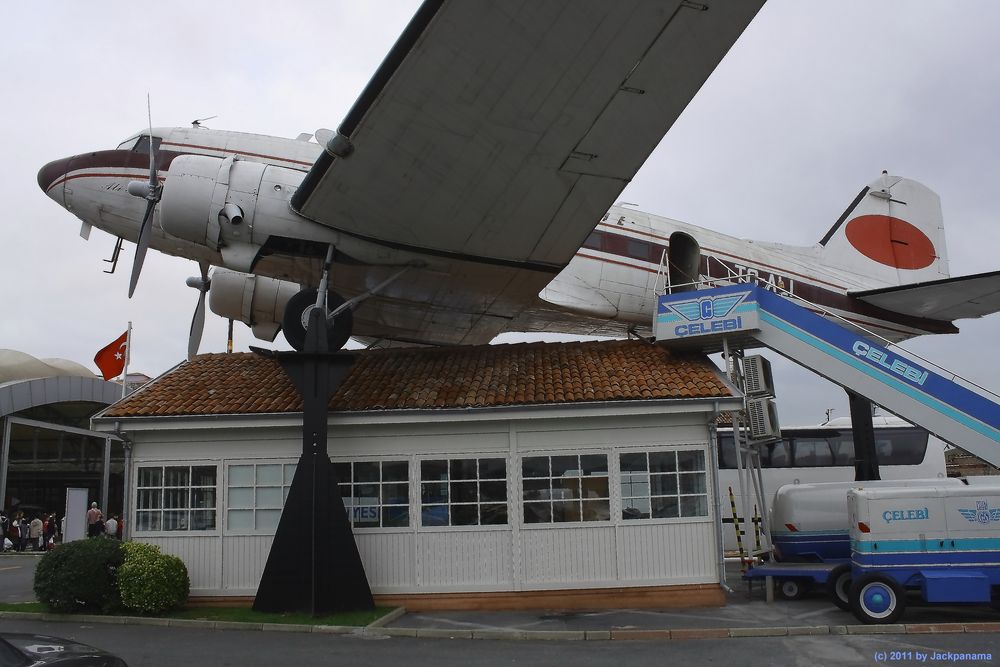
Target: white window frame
[
  {"x": 284, "y": 485},
  {"x": 709, "y": 494},
  {"x": 381, "y": 460},
  {"x": 163, "y": 465},
  {"x": 449, "y": 457},
  {"x": 607, "y": 451}
]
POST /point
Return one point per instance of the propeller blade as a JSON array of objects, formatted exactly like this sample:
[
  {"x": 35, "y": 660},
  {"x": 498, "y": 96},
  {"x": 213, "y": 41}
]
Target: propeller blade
[
  {"x": 197, "y": 326},
  {"x": 142, "y": 245},
  {"x": 153, "y": 181}
]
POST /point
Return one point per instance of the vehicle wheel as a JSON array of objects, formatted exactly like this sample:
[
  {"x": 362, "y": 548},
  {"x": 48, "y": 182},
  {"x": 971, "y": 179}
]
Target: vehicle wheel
[
  {"x": 793, "y": 589},
  {"x": 838, "y": 586},
  {"x": 295, "y": 319},
  {"x": 877, "y": 599}
]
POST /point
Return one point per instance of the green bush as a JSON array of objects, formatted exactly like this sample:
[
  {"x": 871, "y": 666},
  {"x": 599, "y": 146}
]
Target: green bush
[
  {"x": 150, "y": 581},
  {"x": 80, "y": 576}
]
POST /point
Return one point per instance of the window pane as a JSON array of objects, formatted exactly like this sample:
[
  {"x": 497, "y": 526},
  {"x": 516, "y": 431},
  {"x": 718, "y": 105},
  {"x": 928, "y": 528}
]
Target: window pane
[
  {"x": 635, "y": 485},
  {"x": 536, "y": 489},
  {"x": 595, "y": 487},
  {"x": 203, "y": 476},
  {"x": 147, "y": 520},
  {"x": 203, "y": 520},
  {"x": 203, "y": 498},
  {"x": 568, "y": 466},
  {"x": 151, "y": 476},
  {"x": 395, "y": 471},
  {"x": 176, "y": 476},
  {"x": 434, "y": 515},
  {"x": 565, "y": 488},
  {"x": 594, "y": 464},
  {"x": 175, "y": 498},
  {"x": 266, "y": 519},
  {"x": 692, "y": 483},
  {"x": 149, "y": 499},
  {"x": 269, "y": 475},
  {"x": 366, "y": 471},
  {"x": 240, "y": 475},
  {"x": 464, "y": 515},
  {"x": 268, "y": 497},
  {"x": 367, "y": 493},
  {"x": 691, "y": 460},
  {"x": 632, "y": 462},
  {"x": 395, "y": 516},
  {"x": 365, "y": 516},
  {"x": 566, "y": 511},
  {"x": 664, "y": 485},
  {"x": 289, "y": 473},
  {"x": 493, "y": 491},
  {"x": 635, "y": 508},
  {"x": 694, "y": 506},
  {"x": 493, "y": 515},
  {"x": 537, "y": 512},
  {"x": 433, "y": 470},
  {"x": 463, "y": 469},
  {"x": 596, "y": 510},
  {"x": 492, "y": 469},
  {"x": 535, "y": 466},
  {"x": 175, "y": 520},
  {"x": 663, "y": 461},
  {"x": 395, "y": 494},
  {"x": 464, "y": 492},
  {"x": 240, "y": 520},
  {"x": 434, "y": 492},
  {"x": 664, "y": 508}
]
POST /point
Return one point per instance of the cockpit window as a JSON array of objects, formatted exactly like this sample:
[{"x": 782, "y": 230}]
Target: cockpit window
[
  {"x": 142, "y": 146},
  {"x": 128, "y": 144}
]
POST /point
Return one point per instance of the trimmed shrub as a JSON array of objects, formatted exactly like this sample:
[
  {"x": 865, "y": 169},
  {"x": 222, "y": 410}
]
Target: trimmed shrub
[
  {"x": 80, "y": 576},
  {"x": 151, "y": 581}
]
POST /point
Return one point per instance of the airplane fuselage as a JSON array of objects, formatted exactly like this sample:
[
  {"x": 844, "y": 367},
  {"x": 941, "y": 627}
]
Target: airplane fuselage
[{"x": 608, "y": 287}]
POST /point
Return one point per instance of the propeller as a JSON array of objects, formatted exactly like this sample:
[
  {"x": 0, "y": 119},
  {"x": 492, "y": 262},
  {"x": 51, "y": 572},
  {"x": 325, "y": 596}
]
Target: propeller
[
  {"x": 151, "y": 193},
  {"x": 202, "y": 284}
]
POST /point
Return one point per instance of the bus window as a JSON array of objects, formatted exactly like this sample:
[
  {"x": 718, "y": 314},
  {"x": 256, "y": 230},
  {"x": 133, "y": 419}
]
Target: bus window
[
  {"x": 843, "y": 450},
  {"x": 812, "y": 453},
  {"x": 900, "y": 447},
  {"x": 774, "y": 455}
]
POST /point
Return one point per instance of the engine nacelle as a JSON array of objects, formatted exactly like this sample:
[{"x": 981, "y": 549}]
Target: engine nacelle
[
  {"x": 256, "y": 301},
  {"x": 232, "y": 206}
]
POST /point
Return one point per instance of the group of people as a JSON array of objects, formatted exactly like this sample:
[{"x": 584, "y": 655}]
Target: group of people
[
  {"x": 18, "y": 533},
  {"x": 98, "y": 526}
]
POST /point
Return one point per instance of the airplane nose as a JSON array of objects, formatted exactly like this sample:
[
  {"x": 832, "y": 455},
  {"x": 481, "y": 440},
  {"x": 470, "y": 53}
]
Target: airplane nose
[{"x": 49, "y": 175}]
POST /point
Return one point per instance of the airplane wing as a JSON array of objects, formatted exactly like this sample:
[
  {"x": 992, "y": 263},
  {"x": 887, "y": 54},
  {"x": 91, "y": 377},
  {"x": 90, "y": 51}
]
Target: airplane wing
[
  {"x": 948, "y": 299},
  {"x": 500, "y": 132}
]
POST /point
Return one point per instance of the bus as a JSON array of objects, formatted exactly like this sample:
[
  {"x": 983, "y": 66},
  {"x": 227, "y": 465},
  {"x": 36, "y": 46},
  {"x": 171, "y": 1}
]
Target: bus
[{"x": 824, "y": 453}]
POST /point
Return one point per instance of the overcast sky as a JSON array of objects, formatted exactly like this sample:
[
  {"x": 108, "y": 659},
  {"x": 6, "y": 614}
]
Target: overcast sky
[{"x": 809, "y": 106}]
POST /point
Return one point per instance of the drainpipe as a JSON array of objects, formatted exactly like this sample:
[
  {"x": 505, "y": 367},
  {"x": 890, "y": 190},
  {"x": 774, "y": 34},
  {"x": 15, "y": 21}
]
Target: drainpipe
[{"x": 127, "y": 483}]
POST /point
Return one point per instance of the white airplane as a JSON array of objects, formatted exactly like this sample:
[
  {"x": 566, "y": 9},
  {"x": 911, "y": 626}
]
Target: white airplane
[{"x": 459, "y": 198}]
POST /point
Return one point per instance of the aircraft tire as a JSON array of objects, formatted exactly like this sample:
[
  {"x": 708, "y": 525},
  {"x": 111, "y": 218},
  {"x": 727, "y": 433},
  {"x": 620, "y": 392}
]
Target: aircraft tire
[{"x": 295, "y": 332}]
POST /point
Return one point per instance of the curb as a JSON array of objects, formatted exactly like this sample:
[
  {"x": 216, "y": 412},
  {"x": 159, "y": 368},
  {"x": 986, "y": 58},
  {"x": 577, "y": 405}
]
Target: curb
[{"x": 377, "y": 629}]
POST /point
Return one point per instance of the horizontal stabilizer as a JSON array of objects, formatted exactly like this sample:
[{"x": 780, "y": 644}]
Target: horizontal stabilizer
[{"x": 948, "y": 299}]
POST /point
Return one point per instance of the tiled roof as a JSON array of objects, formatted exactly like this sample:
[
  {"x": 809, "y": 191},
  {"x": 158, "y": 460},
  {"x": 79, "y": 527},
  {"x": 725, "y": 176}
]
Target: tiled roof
[{"x": 436, "y": 378}]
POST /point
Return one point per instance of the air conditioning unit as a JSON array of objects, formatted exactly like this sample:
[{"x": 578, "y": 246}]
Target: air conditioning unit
[
  {"x": 757, "y": 371},
  {"x": 762, "y": 413}
]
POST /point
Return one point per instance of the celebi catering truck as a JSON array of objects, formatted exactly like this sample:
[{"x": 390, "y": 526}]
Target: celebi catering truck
[{"x": 942, "y": 541}]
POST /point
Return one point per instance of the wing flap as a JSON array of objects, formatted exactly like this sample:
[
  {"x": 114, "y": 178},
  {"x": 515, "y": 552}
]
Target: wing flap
[
  {"x": 949, "y": 299},
  {"x": 496, "y": 116}
]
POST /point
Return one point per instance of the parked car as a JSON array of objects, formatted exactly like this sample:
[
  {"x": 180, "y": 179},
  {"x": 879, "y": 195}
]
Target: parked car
[{"x": 22, "y": 650}]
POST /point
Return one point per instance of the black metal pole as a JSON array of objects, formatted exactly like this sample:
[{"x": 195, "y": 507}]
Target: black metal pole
[{"x": 865, "y": 455}]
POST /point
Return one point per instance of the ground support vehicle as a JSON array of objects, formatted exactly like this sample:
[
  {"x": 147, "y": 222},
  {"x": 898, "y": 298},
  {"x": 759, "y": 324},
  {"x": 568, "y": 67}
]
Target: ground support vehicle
[{"x": 941, "y": 542}]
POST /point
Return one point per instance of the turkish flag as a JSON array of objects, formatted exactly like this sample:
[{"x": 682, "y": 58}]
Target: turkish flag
[{"x": 111, "y": 359}]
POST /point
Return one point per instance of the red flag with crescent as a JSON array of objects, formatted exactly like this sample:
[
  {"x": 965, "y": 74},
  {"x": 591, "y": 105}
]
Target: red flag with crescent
[{"x": 111, "y": 358}]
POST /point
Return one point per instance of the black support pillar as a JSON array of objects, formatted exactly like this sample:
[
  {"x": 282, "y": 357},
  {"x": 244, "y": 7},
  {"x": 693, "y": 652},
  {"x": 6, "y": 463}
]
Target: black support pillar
[
  {"x": 314, "y": 565},
  {"x": 865, "y": 456}
]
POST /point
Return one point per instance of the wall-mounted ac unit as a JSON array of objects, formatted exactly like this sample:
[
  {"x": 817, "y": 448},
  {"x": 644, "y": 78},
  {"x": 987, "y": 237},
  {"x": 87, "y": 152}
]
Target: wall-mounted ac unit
[
  {"x": 759, "y": 381},
  {"x": 763, "y": 417}
]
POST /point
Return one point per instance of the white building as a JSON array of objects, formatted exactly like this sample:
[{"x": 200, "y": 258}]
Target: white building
[{"x": 510, "y": 476}]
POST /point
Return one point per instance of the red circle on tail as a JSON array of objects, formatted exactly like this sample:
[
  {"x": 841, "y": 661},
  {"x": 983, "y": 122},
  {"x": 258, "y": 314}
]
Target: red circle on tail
[{"x": 891, "y": 241}]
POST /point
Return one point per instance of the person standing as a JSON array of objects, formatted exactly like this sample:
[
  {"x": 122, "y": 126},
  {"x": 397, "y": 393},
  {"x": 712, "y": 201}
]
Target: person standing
[
  {"x": 50, "y": 532},
  {"x": 111, "y": 527},
  {"x": 25, "y": 532},
  {"x": 35, "y": 533},
  {"x": 93, "y": 516}
]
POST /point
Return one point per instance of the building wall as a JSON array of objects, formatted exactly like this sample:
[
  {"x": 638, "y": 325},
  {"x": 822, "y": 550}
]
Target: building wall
[{"x": 515, "y": 556}]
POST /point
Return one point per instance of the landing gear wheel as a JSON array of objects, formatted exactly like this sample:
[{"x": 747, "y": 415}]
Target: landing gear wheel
[
  {"x": 838, "y": 586},
  {"x": 296, "y": 317},
  {"x": 793, "y": 589},
  {"x": 877, "y": 599}
]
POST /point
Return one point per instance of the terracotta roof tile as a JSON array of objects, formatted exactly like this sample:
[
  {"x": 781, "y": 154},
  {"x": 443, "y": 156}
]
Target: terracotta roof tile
[{"x": 435, "y": 378}]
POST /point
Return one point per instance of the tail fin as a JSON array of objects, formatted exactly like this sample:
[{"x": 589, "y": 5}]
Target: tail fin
[{"x": 892, "y": 234}]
